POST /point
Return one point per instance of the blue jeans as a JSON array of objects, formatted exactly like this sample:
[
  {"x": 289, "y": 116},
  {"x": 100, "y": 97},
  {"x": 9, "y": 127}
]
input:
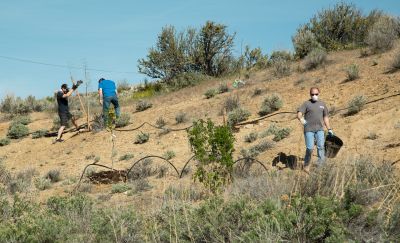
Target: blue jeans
[
  {"x": 107, "y": 101},
  {"x": 310, "y": 138}
]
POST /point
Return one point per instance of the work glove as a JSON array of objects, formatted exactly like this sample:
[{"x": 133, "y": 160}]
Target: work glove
[
  {"x": 79, "y": 82},
  {"x": 74, "y": 87},
  {"x": 303, "y": 121},
  {"x": 330, "y": 132}
]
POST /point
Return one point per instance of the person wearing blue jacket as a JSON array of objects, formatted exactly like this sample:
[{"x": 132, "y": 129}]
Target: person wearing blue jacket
[{"x": 108, "y": 95}]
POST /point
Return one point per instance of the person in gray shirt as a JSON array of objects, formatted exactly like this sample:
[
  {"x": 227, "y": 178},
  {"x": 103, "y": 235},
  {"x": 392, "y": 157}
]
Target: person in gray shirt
[{"x": 313, "y": 115}]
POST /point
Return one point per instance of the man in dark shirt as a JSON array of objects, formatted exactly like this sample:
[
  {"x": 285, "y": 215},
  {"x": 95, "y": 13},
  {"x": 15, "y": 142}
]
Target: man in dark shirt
[
  {"x": 313, "y": 114},
  {"x": 63, "y": 110}
]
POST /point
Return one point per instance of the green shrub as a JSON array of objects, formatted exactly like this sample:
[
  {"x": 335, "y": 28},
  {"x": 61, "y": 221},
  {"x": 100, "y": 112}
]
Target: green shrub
[
  {"x": 210, "y": 93},
  {"x": 140, "y": 185},
  {"x": 251, "y": 137},
  {"x": 120, "y": 188},
  {"x": 212, "y": 147},
  {"x": 280, "y": 55},
  {"x": 304, "y": 41},
  {"x": 181, "y": 117},
  {"x": 123, "y": 120},
  {"x": 127, "y": 156},
  {"x": 142, "y": 138},
  {"x": 270, "y": 104},
  {"x": 238, "y": 115},
  {"x": 356, "y": 105},
  {"x": 17, "y": 130},
  {"x": 160, "y": 122},
  {"x": 186, "y": 79},
  {"x": 39, "y": 133},
  {"x": 4, "y": 142},
  {"x": 53, "y": 176},
  {"x": 25, "y": 120},
  {"x": 382, "y": 35},
  {"x": 143, "y": 105},
  {"x": 281, "y": 134},
  {"x": 42, "y": 183},
  {"x": 315, "y": 58},
  {"x": 352, "y": 72},
  {"x": 169, "y": 155}
]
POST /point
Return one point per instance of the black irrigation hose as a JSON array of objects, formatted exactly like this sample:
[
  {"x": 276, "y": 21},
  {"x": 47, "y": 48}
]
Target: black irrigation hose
[
  {"x": 184, "y": 167},
  {"x": 161, "y": 128},
  {"x": 249, "y": 158},
  {"x": 149, "y": 156}
]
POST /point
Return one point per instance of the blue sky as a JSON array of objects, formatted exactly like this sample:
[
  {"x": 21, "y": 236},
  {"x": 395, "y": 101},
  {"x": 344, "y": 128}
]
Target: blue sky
[{"x": 113, "y": 35}]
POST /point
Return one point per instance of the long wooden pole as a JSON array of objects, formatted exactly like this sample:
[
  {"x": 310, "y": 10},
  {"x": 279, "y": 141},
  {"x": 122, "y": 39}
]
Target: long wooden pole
[
  {"x": 80, "y": 100},
  {"x": 87, "y": 101}
]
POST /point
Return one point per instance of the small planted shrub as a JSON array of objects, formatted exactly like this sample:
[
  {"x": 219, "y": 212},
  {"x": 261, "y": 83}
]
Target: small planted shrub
[
  {"x": 142, "y": 170},
  {"x": 231, "y": 103},
  {"x": 39, "y": 133},
  {"x": 257, "y": 92},
  {"x": 238, "y": 115},
  {"x": 42, "y": 184},
  {"x": 352, "y": 72},
  {"x": 53, "y": 176},
  {"x": 315, "y": 58},
  {"x": 143, "y": 105},
  {"x": 213, "y": 148},
  {"x": 123, "y": 120},
  {"x": 181, "y": 117},
  {"x": 223, "y": 88},
  {"x": 372, "y": 136},
  {"x": 142, "y": 138},
  {"x": 169, "y": 154},
  {"x": 140, "y": 185},
  {"x": 160, "y": 122},
  {"x": 120, "y": 188},
  {"x": 4, "y": 142},
  {"x": 255, "y": 150},
  {"x": 270, "y": 104},
  {"x": 251, "y": 137},
  {"x": 383, "y": 34},
  {"x": 356, "y": 105},
  {"x": 17, "y": 130},
  {"x": 210, "y": 93},
  {"x": 281, "y": 134},
  {"x": 162, "y": 171},
  {"x": 127, "y": 156}
]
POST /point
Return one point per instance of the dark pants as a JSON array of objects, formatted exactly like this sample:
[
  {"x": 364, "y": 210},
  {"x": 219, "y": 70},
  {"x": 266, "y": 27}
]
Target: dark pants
[
  {"x": 64, "y": 117},
  {"x": 107, "y": 101}
]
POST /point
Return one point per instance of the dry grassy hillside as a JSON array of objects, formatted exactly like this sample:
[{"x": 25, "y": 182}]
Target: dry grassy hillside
[{"x": 380, "y": 118}]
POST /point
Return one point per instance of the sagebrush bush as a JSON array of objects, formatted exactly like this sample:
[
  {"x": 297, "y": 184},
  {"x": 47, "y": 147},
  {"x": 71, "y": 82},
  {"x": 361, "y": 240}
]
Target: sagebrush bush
[
  {"x": 143, "y": 170},
  {"x": 251, "y": 137},
  {"x": 315, "y": 58},
  {"x": 181, "y": 117},
  {"x": 169, "y": 154},
  {"x": 143, "y": 105},
  {"x": 120, "y": 188},
  {"x": 123, "y": 85},
  {"x": 140, "y": 185},
  {"x": 127, "y": 156},
  {"x": 352, "y": 72},
  {"x": 42, "y": 183},
  {"x": 304, "y": 41},
  {"x": 223, "y": 88},
  {"x": 238, "y": 115},
  {"x": 162, "y": 171},
  {"x": 280, "y": 55},
  {"x": 17, "y": 130},
  {"x": 382, "y": 35},
  {"x": 25, "y": 120},
  {"x": 53, "y": 176},
  {"x": 281, "y": 134},
  {"x": 270, "y": 104},
  {"x": 356, "y": 105},
  {"x": 142, "y": 138},
  {"x": 4, "y": 142},
  {"x": 210, "y": 93},
  {"x": 123, "y": 120},
  {"x": 281, "y": 68},
  {"x": 231, "y": 103},
  {"x": 39, "y": 133},
  {"x": 257, "y": 92},
  {"x": 395, "y": 65},
  {"x": 160, "y": 122}
]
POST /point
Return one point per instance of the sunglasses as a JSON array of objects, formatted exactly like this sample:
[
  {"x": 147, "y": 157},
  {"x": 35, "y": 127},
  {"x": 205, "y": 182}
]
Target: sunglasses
[{"x": 314, "y": 94}]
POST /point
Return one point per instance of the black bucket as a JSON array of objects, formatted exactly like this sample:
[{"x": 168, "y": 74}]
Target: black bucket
[{"x": 332, "y": 146}]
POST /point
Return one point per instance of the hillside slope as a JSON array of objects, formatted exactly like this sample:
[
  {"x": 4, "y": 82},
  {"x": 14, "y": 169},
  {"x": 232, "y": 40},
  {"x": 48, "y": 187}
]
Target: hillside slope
[{"x": 381, "y": 118}]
